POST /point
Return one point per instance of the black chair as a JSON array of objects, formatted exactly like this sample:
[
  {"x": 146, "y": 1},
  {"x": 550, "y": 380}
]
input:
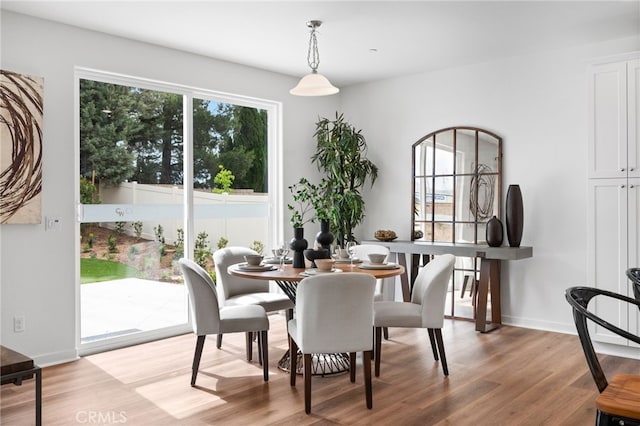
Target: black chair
[
  {"x": 619, "y": 399},
  {"x": 634, "y": 275}
]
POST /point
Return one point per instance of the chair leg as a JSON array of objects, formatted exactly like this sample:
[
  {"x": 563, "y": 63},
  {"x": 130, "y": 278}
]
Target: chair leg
[
  {"x": 263, "y": 343},
  {"x": 464, "y": 285},
  {"x": 352, "y": 366},
  {"x": 385, "y": 332},
  {"x": 378, "y": 350},
  {"x": 293, "y": 361},
  {"x": 307, "y": 383},
  {"x": 366, "y": 365},
  {"x": 432, "y": 339},
  {"x": 219, "y": 341},
  {"x": 443, "y": 358},
  {"x": 196, "y": 359},
  {"x": 249, "y": 345}
]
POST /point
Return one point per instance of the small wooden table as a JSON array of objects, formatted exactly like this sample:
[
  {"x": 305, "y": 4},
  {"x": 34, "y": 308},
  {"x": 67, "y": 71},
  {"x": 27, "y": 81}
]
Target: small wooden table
[
  {"x": 287, "y": 280},
  {"x": 15, "y": 368}
]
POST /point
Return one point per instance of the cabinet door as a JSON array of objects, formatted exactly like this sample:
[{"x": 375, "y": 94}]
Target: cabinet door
[
  {"x": 633, "y": 117},
  {"x": 633, "y": 197},
  {"x": 607, "y": 253},
  {"x": 608, "y": 120}
]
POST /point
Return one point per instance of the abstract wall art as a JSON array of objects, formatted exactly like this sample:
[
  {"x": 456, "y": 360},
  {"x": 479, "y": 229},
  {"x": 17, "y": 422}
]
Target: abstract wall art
[{"x": 21, "y": 114}]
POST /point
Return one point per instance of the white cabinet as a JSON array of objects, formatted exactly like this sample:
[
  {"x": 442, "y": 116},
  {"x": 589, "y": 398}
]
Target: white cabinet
[
  {"x": 614, "y": 126},
  {"x": 614, "y": 189},
  {"x": 614, "y": 243}
]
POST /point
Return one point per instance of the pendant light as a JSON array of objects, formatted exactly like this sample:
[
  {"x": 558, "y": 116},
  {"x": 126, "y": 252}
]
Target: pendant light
[{"x": 314, "y": 84}]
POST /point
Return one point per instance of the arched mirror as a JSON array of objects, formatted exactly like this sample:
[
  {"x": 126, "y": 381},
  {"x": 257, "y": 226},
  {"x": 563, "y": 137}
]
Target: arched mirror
[{"x": 457, "y": 184}]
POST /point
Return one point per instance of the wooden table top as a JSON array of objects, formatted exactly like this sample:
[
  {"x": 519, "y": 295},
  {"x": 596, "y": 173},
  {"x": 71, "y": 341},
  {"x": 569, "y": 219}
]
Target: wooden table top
[
  {"x": 13, "y": 362},
  {"x": 295, "y": 274}
]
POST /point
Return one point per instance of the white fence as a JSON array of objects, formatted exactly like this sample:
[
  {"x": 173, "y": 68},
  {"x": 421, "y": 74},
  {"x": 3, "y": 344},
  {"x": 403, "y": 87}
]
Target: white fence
[{"x": 241, "y": 218}]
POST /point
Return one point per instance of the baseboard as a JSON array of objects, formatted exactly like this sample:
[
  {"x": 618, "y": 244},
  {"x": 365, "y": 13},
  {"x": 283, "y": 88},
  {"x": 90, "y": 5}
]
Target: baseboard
[
  {"x": 565, "y": 328},
  {"x": 601, "y": 348},
  {"x": 54, "y": 358}
]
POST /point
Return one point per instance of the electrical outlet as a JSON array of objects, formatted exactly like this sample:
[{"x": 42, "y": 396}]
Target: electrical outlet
[{"x": 18, "y": 324}]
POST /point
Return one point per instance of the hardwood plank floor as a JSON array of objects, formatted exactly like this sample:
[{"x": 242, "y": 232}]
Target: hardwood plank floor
[{"x": 511, "y": 376}]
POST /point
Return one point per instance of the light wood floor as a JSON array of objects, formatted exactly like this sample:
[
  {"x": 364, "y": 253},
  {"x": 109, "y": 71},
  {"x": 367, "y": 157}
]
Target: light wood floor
[{"x": 511, "y": 376}]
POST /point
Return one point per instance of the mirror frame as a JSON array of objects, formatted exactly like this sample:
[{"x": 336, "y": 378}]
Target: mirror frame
[{"x": 475, "y": 176}]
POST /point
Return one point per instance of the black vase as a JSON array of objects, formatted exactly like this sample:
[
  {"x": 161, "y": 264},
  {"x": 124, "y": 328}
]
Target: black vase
[
  {"x": 324, "y": 237},
  {"x": 514, "y": 215},
  {"x": 495, "y": 235},
  {"x": 298, "y": 244}
]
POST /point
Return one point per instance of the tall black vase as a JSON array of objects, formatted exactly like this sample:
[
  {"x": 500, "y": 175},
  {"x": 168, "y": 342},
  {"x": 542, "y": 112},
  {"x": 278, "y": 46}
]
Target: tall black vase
[
  {"x": 298, "y": 244},
  {"x": 495, "y": 233},
  {"x": 324, "y": 238},
  {"x": 514, "y": 215}
]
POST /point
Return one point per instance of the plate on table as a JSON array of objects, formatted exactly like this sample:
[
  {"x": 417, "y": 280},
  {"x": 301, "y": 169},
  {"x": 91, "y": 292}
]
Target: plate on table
[
  {"x": 347, "y": 261},
  {"x": 255, "y": 268},
  {"x": 312, "y": 272},
  {"x": 386, "y": 265},
  {"x": 276, "y": 261}
]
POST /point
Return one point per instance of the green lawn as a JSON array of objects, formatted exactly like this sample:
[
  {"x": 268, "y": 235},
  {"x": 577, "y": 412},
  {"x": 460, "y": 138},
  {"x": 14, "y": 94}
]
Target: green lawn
[{"x": 95, "y": 270}]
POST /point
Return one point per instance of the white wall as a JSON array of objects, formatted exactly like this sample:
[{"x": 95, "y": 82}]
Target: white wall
[
  {"x": 38, "y": 268},
  {"x": 538, "y": 104}
]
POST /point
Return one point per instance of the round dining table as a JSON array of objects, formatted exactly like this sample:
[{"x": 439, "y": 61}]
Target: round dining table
[{"x": 288, "y": 277}]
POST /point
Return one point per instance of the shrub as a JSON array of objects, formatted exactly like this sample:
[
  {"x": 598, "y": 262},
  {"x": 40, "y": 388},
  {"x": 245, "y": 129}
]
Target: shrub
[
  {"x": 137, "y": 229},
  {"x": 113, "y": 248},
  {"x": 222, "y": 242},
  {"x": 120, "y": 227},
  {"x": 133, "y": 251},
  {"x": 257, "y": 246},
  {"x": 202, "y": 251},
  {"x": 178, "y": 245}
]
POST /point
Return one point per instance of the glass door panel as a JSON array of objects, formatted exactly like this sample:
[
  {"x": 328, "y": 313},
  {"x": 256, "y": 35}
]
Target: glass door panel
[{"x": 131, "y": 212}]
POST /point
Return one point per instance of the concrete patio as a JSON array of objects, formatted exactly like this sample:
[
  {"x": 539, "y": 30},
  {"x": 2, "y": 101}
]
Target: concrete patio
[{"x": 130, "y": 305}]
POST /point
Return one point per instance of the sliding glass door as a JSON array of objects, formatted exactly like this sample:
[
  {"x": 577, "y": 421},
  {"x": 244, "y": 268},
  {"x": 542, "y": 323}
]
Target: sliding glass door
[{"x": 139, "y": 144}]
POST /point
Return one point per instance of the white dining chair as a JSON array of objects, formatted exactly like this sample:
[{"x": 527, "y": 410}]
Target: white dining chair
[
  {"x": 426, "y": 309},
  {"x": 239, "y": 291},
  {"x": 334, "y": 314},
  {"x": 207, "y": 317},
  {"x": 384, "y": 287}
]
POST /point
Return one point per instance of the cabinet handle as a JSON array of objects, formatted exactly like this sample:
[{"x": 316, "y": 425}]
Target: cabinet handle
[
  {"x": 621, "y": 186},
  {"x": 631, "y": 186},
  {"x": 631, "y": 169},
  {"x": 622, "y": 169}
]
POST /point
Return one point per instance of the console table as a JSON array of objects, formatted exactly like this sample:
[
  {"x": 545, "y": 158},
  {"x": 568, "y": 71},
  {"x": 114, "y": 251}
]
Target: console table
[
  {"x": 490, "y": 258},
  {"x": 16, "y": 368}
]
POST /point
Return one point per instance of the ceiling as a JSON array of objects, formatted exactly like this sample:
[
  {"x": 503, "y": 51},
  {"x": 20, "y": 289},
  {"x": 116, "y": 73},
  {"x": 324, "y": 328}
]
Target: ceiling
[{"x": 408, "y": 36}]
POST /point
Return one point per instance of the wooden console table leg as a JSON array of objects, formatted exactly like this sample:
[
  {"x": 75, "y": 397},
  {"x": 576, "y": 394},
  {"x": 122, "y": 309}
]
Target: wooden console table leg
[
  {"x": 404, "y": 279},
  {"x": 489, "y": 275},
  {"x": 496, "y": 312}
]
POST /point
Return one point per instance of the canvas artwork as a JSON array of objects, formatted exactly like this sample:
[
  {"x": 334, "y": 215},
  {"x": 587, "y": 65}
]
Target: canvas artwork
[{"x": 21, "y": 112}]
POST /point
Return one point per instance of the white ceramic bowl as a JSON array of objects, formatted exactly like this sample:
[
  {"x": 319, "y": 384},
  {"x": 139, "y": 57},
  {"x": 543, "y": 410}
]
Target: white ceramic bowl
[
  {"x": 325, "y": 265},
  {"x": 253, "y": 259},
  {"x": 377, "y": 258}
]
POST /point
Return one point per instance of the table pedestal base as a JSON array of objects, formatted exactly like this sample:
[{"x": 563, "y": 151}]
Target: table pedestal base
[{"x": 321, "y": 364}]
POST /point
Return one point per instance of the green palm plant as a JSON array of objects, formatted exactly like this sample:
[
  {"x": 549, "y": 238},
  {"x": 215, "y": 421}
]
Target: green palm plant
[{"x": 341, "y": 154}]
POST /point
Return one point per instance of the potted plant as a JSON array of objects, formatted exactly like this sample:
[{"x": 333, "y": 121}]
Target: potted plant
[
  {"x": 341, "y": 154},
  {"x": 303, "y": 193},
  {"x": 323, "y": 206}
]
